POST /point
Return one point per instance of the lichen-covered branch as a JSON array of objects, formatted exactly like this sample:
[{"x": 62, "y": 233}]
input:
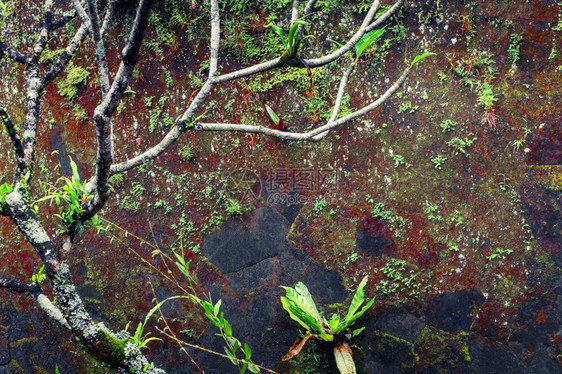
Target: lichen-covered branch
[
  {"x": 12, "y": 53},
  {"x": 14, "y": 137},
  {"x": 104, "y": 111},
  {"x": 63, "y": 21},
  {"x": 100, "y": 48},
  {"x": 62, "y": 62},
  {"x": 35, "y": 291}
]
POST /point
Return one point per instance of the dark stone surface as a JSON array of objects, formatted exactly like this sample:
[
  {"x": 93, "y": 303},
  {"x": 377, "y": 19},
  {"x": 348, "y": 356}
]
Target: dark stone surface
[
  {"x": 250, "y": 301},
  {"x": 451, "y": 312}
]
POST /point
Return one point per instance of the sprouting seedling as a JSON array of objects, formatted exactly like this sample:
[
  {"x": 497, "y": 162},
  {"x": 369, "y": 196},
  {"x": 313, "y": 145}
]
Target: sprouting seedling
[
  {"x": 292, "y": 43},
  {"x": 421, "y": 57},
  {"x": 278, "y": 122},
  {"x": 367, "y": 40},
  {"x": 40, "y": 276},
  {"x": 299, "y": 304}
]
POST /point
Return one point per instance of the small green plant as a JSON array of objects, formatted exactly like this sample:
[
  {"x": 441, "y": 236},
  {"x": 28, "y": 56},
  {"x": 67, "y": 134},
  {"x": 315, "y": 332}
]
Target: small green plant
[
  {"x": 75, "y": 76},
  {"x": 447, "y": 125},
  {"x": 431, "y": 210},
  {"x": 233, "y": 345},
  {"x": 438, "y": 161},
  {"x": 233, "y": 207},
  {"x": 6, "y": 8},
  {"x": 367, "y": 40},
  {"x": 421, "y": 57},
  {"x": 499, "y": 253},
  {"x": 299, "y": 304},
  {"x": 461, "y": 145},
  {"x": 400, "y": 160},
  {"x": 319, "y": 205},
  {"x": 212, "y": 311},
  {"x": 73, "y": 193},
  {"x": 514, "y": 47},
  {"x": 186, "y": 152},
  {"x": 292, "y": 43},
  {"x": 5, "y": 189},
  {"x": 40, "y": 276},
  {"x": 396, "y": 222}
]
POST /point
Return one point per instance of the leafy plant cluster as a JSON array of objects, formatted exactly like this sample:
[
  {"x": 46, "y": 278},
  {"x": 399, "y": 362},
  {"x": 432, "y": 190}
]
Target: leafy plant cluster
[
  {"x": 398, "y": 278},
  {"x": 396, "y": 222},
  {"x": 514, "y": 47},
  {"x": 75, "y": 76},
  {"x": 73, "y": 194},
  {"x": 301, "y": 307},
  {"x": 6, "y": 9}
]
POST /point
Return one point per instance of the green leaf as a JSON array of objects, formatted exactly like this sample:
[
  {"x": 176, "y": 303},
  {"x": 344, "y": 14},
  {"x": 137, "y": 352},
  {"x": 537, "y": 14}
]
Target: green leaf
[
  {"x": 358, "y": 299},
  {"x": 352, "y": 314},
  {"x": 253, "y": 368},
  {"x": 227, "y": 327},
  {"x": 278, "y": 30},
  {"x": 244, "y": 368},
  {"x": 334, "y": 322},
  {"x": 421, "y": 57},
  {"x": 274, "y": 117},
  {"x": 217, "y": 307},
  {"x": 368, "y": 39},
  {"x": 356, "y": 332},
  {"x": 57, "y": 369},
  {"x": 247, "y": 352},
  {"x": 292, "y": 39},
  {"x": 230, "y": 356},
  {"x": 74, "y": 168}
]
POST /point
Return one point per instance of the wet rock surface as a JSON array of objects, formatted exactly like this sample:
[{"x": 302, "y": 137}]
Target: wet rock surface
[{"x": 474, "y": 231}]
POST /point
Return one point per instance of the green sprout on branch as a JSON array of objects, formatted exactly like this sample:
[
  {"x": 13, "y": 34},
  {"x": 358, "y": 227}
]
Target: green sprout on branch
[
  {"x": 73, "y": 193},
  {"x": 40, "y": 276},
  {"x": 292, "y": 43}
]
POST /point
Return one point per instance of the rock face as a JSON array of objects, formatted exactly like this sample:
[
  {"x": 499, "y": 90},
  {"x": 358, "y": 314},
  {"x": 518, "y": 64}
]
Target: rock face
[{"x": 448, "y": 197}]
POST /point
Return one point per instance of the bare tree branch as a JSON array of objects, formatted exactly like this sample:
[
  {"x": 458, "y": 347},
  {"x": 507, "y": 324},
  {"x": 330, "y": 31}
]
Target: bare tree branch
[
  {"x": 385, "y": 16},
  {"x": 35, "y": 291},
  {"x": 294, "y": 11},
  {"x": 63, "y": 21},
  {"x": 81, "y": 12},
  {"x": 41, "y": 42},
  {"x": 307, "y": 135},
  {"x": 12, "y": 54},
  {"x": 104, "y": 111},
  {"x": 16, "y": 141},
  {"x": 17, "y": 286},
  {"x": 339, "y": 98},
  {"x": 100, "y": 48},
  {"x": 320, "y": 61},
  {"x": 65, "y": 57},
  {"x": 308, "y": 7},
  {"x": 108, "y": 15},
  {"x": 181, "y": 123}
]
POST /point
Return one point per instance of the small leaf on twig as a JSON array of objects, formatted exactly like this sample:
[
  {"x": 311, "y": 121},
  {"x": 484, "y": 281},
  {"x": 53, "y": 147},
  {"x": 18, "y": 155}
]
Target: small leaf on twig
[{"x": 421, "y": 57}]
